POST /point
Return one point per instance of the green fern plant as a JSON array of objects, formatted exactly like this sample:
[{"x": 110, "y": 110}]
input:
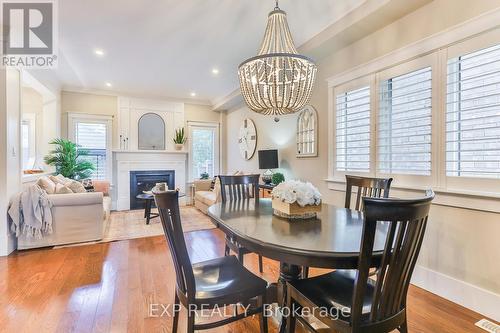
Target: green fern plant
[
  {"x": 67, "y": 158},
  {"x": 180, "y": 137}
]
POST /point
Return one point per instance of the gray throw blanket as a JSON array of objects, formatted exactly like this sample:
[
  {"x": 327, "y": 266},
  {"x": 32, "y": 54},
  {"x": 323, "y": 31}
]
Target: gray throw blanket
[{"x": 30, "y": 213}]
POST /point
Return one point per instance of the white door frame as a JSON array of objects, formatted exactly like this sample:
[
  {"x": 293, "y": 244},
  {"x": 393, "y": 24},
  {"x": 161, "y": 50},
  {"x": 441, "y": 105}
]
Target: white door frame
[{"x": 217, "y": 144}]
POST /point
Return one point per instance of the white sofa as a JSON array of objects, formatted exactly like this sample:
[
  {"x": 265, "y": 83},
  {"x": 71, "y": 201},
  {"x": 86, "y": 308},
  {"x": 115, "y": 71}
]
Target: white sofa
[
  {"x": 204, "y": 196},
  {"x": 77, "y": 217}
]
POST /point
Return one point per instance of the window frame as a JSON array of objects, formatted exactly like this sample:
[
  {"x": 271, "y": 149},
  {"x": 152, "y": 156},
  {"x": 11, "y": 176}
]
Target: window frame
[
  {"x": 461, "y": 183},
  {"x": 217, "y": 146},
  {"x": 431, "y": 61},
  {"x": 367, "y": 81},
  {"x": 74, "y": 118},
  {"x": 31, "y": 120}
]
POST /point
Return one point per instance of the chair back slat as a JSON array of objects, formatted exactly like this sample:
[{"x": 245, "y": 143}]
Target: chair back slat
[
  {"x": 239, "y": 187},
  {"x": 366, "y": 187},
  {"x": 168, "y": 208},
  {"x": 406, "y": 222}
]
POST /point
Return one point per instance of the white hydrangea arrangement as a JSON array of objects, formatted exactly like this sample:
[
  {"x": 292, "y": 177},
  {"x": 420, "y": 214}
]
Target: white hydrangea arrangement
[{"x": 303, "y": 193}]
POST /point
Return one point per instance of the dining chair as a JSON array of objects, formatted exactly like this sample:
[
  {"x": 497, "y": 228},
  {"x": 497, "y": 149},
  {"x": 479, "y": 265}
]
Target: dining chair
[
  {"x": 366, "y": 187},
  {"x": 355, "y": 302},
  {"x": 239, "y": 187},
  {"x": 209, "y": 284}
]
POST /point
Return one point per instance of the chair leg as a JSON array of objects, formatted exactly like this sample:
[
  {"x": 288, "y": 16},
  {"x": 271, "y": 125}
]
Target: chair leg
[
  {"x": 261, "y": 269},
  {"x": 190, "y": 322},
  {"x": 403, "y": 328},
  {"x": 176, "y": 315},
  {"x": 240, "y": 257},
  {"x": 290, "y": 321},
  {"x": 148, "y": 211},
  {"x": 227, "y": 250},
  {"x": 263, "y": 318},
  {"x": 305, "y": 272}
]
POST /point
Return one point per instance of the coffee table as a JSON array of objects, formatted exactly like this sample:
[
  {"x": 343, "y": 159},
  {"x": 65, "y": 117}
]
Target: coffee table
[{"x": 149, "y": 199}]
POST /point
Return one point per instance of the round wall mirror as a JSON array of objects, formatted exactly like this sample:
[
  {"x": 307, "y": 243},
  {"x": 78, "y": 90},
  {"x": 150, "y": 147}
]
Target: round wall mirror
[{"x": 151, "y": 132}]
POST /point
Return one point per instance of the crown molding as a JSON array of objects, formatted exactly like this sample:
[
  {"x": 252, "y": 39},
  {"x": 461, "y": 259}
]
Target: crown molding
[{"x": 116, "y": 93}]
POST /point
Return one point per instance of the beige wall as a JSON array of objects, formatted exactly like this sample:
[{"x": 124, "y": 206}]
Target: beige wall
[
  {"x": 203, "y": 113},
  {"x": 459, "y": 243}
]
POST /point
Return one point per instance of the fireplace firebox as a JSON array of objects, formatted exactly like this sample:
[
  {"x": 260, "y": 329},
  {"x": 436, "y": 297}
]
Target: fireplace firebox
[{"x": 141, "y": 181}]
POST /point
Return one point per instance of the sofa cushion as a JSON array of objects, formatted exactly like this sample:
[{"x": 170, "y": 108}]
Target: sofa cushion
[
  {"x": 207, "y": 197},
  {"x": 60, "y": 179},
  {"x": 61, "y": 189},
  {"x": 47, "y": 185},
  {"x": 76, "y": 187}
]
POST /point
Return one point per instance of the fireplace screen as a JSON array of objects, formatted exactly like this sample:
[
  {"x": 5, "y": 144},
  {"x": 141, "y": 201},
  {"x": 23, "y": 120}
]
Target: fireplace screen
[{"x": 142, "y": 181}]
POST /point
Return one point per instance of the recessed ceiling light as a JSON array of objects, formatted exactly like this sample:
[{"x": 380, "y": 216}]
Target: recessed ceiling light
[
  {"x": 193, "y": 94},
  {"x": 99, "y": 52},
  {"x": 215, "y": 71},
  {"x": 108, "y": 84}
]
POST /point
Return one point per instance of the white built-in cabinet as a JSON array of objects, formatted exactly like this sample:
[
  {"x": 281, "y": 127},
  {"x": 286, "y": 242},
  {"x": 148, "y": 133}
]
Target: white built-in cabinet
[{"x": 130, "y": 110}]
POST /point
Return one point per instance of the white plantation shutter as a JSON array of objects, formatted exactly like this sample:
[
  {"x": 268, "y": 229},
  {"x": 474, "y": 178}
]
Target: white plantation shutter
[
  {"x": 473, "y": 115},
  {"x": 93, "y": 137},
  {"x": 352, "y": 134},
  {"x": 404, "y": 124}
]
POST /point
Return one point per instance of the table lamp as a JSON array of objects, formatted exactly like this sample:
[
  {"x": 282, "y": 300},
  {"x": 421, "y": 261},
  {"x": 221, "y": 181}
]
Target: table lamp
[{"x": 268, "y": 160}]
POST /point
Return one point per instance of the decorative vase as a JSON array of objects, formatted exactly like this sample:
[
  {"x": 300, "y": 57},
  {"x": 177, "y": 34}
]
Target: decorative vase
[
  {"x": 179, "y": 146},
  {"x": 294, "y": 211}
]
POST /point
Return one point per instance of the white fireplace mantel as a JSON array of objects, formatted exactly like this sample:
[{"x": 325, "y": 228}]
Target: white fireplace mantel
[{"x": 125, "y": 161}]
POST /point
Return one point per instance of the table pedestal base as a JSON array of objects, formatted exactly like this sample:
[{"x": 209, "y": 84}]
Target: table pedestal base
[{"x": 288, "y": 272}]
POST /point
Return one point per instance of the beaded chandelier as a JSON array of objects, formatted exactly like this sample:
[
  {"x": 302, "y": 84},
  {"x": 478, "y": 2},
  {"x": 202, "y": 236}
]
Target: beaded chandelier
[{"x": 278, "y": 80}]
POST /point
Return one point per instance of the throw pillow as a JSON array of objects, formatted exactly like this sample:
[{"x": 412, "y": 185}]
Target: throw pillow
[
  {"x": 212, "y": 184},
  {"x": 46, "y": 184},
  {"x": 76, "y": 187},
  {"x": 61, "y": 189},
  {"x": 59, "y": 179},
  {"x": 88, "y": 184}
]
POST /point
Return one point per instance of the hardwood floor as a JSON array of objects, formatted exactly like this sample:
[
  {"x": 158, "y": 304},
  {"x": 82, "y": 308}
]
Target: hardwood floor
[{"x": 109, "y": 287}]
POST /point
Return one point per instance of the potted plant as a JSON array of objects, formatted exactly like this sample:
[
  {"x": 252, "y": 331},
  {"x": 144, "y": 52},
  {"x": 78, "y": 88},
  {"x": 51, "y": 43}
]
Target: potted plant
[
  {"x": 277, "y": 178},
  {"x": 204, "y": 175},
  {"x": 67, "y": 158},
  {"x": 179, "y": 138}
]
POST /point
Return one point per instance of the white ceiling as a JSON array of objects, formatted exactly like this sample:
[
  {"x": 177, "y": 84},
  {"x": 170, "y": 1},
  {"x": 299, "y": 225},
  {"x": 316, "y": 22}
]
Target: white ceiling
[{"x": 167, "y": 48}]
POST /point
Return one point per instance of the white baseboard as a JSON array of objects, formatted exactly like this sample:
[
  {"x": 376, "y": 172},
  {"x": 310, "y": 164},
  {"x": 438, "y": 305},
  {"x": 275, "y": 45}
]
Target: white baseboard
[{"x": 472, "y": 297}]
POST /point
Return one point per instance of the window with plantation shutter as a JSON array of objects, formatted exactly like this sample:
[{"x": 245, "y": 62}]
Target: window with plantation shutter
[
  {"x": 404, "y": 124},
  {"x": 93, "y": 137},
  {"x": 473, "y": 114},
  {"x": 352, "y": 134}
]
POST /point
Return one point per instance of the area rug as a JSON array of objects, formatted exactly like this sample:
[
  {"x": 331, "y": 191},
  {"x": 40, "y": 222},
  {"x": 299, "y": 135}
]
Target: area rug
[{"x": 132, "y": 224}]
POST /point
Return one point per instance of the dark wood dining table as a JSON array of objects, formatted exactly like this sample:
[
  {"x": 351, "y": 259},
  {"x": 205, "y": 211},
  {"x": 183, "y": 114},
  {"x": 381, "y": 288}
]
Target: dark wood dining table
[{"x": 332, "y": 240}]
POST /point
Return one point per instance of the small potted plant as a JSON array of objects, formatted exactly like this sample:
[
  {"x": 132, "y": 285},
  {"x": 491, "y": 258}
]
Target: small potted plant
[
  {"x": 204, "y": 175},
  {"x": 278, "y": 178},
  {"x": 179, "y": 138}
]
